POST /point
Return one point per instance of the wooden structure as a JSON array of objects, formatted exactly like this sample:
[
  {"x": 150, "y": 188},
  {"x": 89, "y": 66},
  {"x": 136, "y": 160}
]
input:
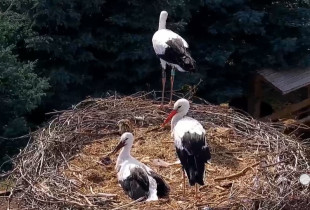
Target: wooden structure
[{"x": 285, "y": 82}]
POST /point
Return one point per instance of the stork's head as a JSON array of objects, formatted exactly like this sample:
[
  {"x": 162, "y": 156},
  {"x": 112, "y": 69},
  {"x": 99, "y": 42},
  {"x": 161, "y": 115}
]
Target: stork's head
[
  {"x": 126, "y": 140},
  {"x": 163, "y": 15},
  {"x": 181, "y": 107},
  {"x": 162, "y": 20}
]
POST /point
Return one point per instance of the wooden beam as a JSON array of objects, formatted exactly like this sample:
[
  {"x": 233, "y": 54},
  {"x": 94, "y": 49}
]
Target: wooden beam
[
  {"x": 258, "y": 93},
  {"x": 255, "y": 97},
  {"x": 288, "y": 110}
]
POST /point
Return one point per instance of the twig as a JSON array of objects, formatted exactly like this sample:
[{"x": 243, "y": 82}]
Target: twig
[
  {"x": 102, "y": 195},
  {"x": 130, "y": 204},
  {"x": 153, "y": 129},
  {"x": 55, "y": 112},
  {"x": 7, "y": 174},
  {"x": 16, "y": 138},
  {"x": 237, "y": 174},
  {"x": 273, "y": 164}
]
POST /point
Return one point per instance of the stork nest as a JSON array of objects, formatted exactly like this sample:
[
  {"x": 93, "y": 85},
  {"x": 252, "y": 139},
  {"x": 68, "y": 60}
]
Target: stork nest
[{"x": 67, "y": 164}]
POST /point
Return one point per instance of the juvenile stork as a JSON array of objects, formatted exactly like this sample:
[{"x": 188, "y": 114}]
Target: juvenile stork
[
  {"x": 172, "y": 50},
  {"x": 137, "y": 180},
  {"x": 190, "y": 143}
]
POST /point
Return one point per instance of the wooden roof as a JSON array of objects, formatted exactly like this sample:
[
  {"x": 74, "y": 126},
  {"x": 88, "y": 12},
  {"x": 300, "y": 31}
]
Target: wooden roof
[{"x": 287, "y": 81}]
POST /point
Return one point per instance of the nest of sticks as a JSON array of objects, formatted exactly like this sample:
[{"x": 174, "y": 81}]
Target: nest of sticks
[{"x": 65, "y": 164}]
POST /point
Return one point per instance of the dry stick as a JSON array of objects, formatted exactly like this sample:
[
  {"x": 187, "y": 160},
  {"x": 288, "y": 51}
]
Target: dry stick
[
  {"x": 167, "y": 142},
  {"x": 273, "y": 164},
  {"x": 153, "y": 129},
  {"x": 88, "y": 202},
  {"x": 7, "y": 173},
  {"x": 82, "y": 170},
  {"x": 56, "y": 112},
  {"x": 96, "y": 134},
  {"x": 220, "y": 188},
  {"x": 9, "y": 199},
  {"x": 129, "y": 204},
  {"x": 237, "y": 174},
  {"x": 78, "y": 179},
  {"x": 216, "y": 201},
  {"x": 232, "y": 156},
  {"x": 99, "y": 194},
  {"x": 102, "y": 195}
]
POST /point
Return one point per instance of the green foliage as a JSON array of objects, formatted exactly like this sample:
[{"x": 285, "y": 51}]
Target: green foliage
[
  {"x": 232, "y": 39},
  {"x": 21, "y": 89},
  {"x": 94, "y": 46}
]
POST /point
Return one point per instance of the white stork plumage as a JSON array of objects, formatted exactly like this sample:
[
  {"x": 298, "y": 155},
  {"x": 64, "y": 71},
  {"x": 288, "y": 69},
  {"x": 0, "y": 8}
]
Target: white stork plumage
[
  {"x": 136, "y": 179},
  {"x": 190, "y": 143},
  {"x": 172, "y": 50}
]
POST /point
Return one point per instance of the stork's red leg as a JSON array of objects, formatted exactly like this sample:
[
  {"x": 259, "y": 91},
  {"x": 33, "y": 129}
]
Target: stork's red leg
[
  {"x": 183, "y": 175},
  {"x": 171, "y": 82},
  {"x": 163, "y": 79}
]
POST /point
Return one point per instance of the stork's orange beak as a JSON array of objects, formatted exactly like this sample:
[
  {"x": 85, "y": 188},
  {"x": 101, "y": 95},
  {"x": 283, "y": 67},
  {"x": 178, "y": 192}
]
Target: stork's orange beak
[{"x": 169, "y": 117}]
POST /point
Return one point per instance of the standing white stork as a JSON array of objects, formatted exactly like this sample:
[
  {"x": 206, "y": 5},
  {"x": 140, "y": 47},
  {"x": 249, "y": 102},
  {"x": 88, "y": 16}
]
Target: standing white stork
[
  {"x": 136, "y": 179},
  {"x": 172, "y": 50},
  {"x": 190, "y": 143}
]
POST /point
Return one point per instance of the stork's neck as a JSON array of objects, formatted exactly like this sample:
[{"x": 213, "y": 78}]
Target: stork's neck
[
  {"x": 176, "y": 119},
  {"x": 124, "y": 154},
  {"x": 162, "y": 23}
]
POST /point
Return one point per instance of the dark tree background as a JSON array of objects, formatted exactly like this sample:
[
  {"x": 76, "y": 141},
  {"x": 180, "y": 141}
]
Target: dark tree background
[{"x": 54, "y": 53}]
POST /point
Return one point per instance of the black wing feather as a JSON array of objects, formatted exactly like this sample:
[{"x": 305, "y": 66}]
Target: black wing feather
[
  {"x": 162, "y": 187},
  {"x": 178, "y": 54},
  {"x": 193, "y": 156},
  {"x": 136, "y": 185}
]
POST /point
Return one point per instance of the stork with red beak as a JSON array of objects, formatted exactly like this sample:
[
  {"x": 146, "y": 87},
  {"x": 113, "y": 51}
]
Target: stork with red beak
[{"x": 190, "y": 143}]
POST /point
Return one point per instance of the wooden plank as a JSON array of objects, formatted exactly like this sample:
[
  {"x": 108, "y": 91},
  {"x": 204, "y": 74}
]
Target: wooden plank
[
  {"x": 288, "y": 110},
  {"x": 258, "y": 97},
  {"x": 254, "y": 99},
  {"x": 287, "y": 81}
]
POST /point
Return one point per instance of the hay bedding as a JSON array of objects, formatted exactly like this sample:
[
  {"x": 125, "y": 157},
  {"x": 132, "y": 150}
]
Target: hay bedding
[{"x": 254, "y": 165}]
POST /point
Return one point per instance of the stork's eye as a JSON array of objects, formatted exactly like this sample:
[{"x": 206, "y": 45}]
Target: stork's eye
[
  {"x": 126, "y": 139},
  {"x": 179, "y": 107}
]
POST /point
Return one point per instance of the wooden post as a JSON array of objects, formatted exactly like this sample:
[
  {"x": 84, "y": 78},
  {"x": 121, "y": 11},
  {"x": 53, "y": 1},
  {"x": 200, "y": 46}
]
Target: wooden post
[
  {"x": 258, "y": 96},
  {"x": 255, "y": 97}
]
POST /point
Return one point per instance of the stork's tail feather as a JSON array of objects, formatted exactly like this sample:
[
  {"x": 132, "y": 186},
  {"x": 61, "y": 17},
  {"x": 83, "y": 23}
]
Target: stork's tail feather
[
  {"x": 194, "y": 156},
  {"x": 195, "y": 170},
  {"x": 163, "y": 188}
]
